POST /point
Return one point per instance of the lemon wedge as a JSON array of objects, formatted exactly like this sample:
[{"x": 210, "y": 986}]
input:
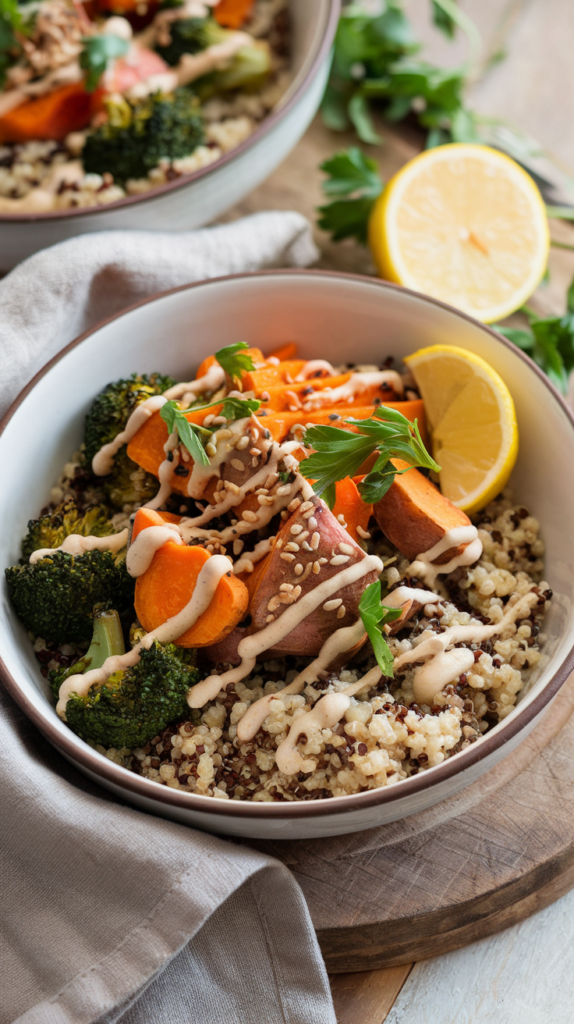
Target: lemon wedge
[
  {"x": 472, "y": 422},
  {"x": 464, "y": 224}
]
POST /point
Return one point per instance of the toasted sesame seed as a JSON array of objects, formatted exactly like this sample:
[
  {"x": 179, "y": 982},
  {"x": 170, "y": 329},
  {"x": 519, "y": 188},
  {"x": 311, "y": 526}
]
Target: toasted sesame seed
[
  {"x": 238, "y": 465},
  {"x": 210, "y": 448},
  {"x": 316, "y": 567},
  {"x": 315, "y": 540},
  {"x": 293, "y": 504},
  {"x": 309, "y": 515},
  {"x": 308, "y": 569},
  {"x": 339, "y": 560},
  {"x": 247, "y": 565},
  {"x": 286, "y": 587},
  {"x": 291, "y": 546},
  {"x": 273, "y": 603},
  {"x": 209, "y": 419},
  {"x": 287, "y": 599},
  {"x": 298, "y": 569},
  {"x": 262, "y": 490},
  {"x": 342, "y": 611},
  {"x": 284, "y": 489},
  {"x": 219, "y": 419},
  {"x": 296, "y": 529},
  {"x": 312, "y": 524},
  {"x": 242, "y": 443},
  {"x": 306, "y": 546},
  {"x": 223, "y": 434},
  {"x": 238, "y": 546},
  {"x": 323, "y": 561},
  {"x": 271, "y": 479},
  {"x": 346, "y": 549},
  {"x": 254, "y": 462},
  {"x": 296, "y": 592},
  {"x": 270, "y": 618},
  {"x": 279, "y": 543},
  {"x": 287, "y": 557},
  {"x": 330, "y": 606},
  {"x": 255, "y": 451},
  {"x": 342, "y": 520},
  {"x": 249, "y": 517},
  {"x": 266, "y": 499},
  {"x": 306, "y": 506},
  {"x": 363, "y": 533}
]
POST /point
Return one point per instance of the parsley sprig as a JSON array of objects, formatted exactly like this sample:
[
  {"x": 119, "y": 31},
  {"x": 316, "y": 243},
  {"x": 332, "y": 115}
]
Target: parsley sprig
[
  {"x": 374, "y": 616},
  {"x": 234, "y": 360},
  {"x": 549, "y": 341},
  {"x": 339, "y": 453},
  {"x": 375, "y": 66},
  {"x": 97, "y": 53},
  {"x": 191, "y": 435},
  {"x": 354, "y": 180}
]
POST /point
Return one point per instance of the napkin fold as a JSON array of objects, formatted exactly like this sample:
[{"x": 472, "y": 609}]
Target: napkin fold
[{"x": 108, "y": 914}]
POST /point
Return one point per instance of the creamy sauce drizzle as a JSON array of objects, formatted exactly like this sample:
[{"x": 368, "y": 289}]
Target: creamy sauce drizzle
[
  {"x": 355, "y": 386},
  {"x": 423, "y": 566},
  {"x": 211, "y": 381},
  {"x": 342, "y": 640},
  {"x": 250, "y": 558},
  {"x": 140, "y": 553},
  {"x": 252, "y": 646},
  {"x": 207, "y": 582},
  {"x": 103, "y": 460},
  {"x": 443, "y": 666},
  {"x": 326, "y": 713},
  {"x": 75, "y": 544},
  {"x": 315, "y": 366}
]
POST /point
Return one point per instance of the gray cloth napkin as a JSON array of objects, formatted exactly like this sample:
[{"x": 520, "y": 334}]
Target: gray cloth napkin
[{"x": 108, "y": 914}]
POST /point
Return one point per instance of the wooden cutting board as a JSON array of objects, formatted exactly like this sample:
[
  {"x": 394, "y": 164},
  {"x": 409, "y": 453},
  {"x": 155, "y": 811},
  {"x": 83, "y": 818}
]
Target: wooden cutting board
[
  {"x": 473, "y": 865},
  {"x": 503, "y": 848}
]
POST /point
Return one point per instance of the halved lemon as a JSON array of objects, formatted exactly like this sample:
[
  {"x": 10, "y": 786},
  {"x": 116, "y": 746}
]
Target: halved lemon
[
  {"x": 465, "y": 224},
  {"x": 472, "y": 422}
]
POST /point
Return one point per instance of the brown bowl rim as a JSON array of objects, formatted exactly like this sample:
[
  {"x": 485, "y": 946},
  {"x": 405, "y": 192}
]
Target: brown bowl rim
[
  {"x": 266, "y": 126},
  {"x": 116, "y": 775}
]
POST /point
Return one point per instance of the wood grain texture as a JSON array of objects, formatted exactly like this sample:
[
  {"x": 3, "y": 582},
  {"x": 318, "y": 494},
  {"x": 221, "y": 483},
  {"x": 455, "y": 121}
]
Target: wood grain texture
[{"x": 367, "y": 997}]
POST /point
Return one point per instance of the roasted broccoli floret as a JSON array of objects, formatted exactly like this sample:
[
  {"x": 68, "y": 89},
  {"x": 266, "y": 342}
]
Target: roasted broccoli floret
[
  {"x": 139, "y": 133},
  {"x": 114, "y": 406},
  {"x": 248, "y": 71},
  {"x": 190, "y": 35},
  {"x": 51, "y": 530},
  {"x": 127, "y": 484},
  {"x": 107, "y": 640},
  {"x": 136, "y": 704},
  {"x": 55, "y": 596}
]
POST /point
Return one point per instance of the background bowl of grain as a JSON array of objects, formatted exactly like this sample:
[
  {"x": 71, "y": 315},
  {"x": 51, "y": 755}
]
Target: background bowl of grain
[
  {"x": 196, "y": 199},
  {"x": 343, "y": 318}
]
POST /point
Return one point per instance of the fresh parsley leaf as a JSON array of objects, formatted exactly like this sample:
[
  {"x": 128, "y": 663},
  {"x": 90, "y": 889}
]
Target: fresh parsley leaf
[
  {"x": 355, "y": 177},
  {"x": 97, "y": 52},
  {"x": 187, "y": 432},
  {"x": 339, "y": 453},
  {"x": 234, "y": 361},
  {"x": 374, "y": 616},
  {"x": 10, "y": 23},
  {"x": 549, "y": 341},
  {"x": 239, "y": 408}
]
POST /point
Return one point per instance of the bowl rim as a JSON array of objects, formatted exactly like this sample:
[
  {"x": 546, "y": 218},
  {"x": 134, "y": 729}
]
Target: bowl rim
[
  {"x": 268, "y": 123},
  {"x": 76, "y": 750}
]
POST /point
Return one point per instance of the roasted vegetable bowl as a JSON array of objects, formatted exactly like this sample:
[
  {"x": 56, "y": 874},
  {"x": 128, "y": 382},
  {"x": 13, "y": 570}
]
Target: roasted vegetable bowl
[{"x": 258, "y": 593}]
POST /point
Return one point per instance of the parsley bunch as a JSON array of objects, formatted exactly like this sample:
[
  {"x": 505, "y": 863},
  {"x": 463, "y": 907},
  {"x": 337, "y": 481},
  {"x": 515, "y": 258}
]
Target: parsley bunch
[
  {"x": 375, "y": 64},
  {"x": 549, "y": 341},
  {"x": 375, "y": 615},
  {"x": 10, "y": 24},
  {"x": 339, "y": 453},
  {"x": 354, "y": 180}
]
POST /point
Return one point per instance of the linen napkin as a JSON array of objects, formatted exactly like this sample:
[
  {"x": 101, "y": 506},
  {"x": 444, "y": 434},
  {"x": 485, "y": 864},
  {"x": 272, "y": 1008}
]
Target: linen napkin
[{"x": 108, "y": 914}]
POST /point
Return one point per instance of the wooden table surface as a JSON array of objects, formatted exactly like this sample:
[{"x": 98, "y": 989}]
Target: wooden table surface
[{"x": 523, "y": 975}]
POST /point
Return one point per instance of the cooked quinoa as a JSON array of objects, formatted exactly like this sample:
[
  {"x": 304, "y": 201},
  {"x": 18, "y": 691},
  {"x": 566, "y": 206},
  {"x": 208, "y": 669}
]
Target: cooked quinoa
[{"x": 385, "y": 736}]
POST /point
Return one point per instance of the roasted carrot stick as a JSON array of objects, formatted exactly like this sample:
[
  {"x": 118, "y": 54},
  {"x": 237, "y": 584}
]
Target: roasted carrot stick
[
  {"x": 64, "y": 110},
  {"x": 232, "y": 13},
  {"x": 350, "y": 505}
]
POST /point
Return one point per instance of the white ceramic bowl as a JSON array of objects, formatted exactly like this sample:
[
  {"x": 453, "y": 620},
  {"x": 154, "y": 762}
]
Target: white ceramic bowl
[
  {"x": 339, "y": 317},
  {"x": 196, "y": 199}
]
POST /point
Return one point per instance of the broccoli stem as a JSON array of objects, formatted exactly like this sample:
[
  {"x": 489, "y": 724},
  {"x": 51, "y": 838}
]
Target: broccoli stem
[{"x": 107, "y": 639}]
